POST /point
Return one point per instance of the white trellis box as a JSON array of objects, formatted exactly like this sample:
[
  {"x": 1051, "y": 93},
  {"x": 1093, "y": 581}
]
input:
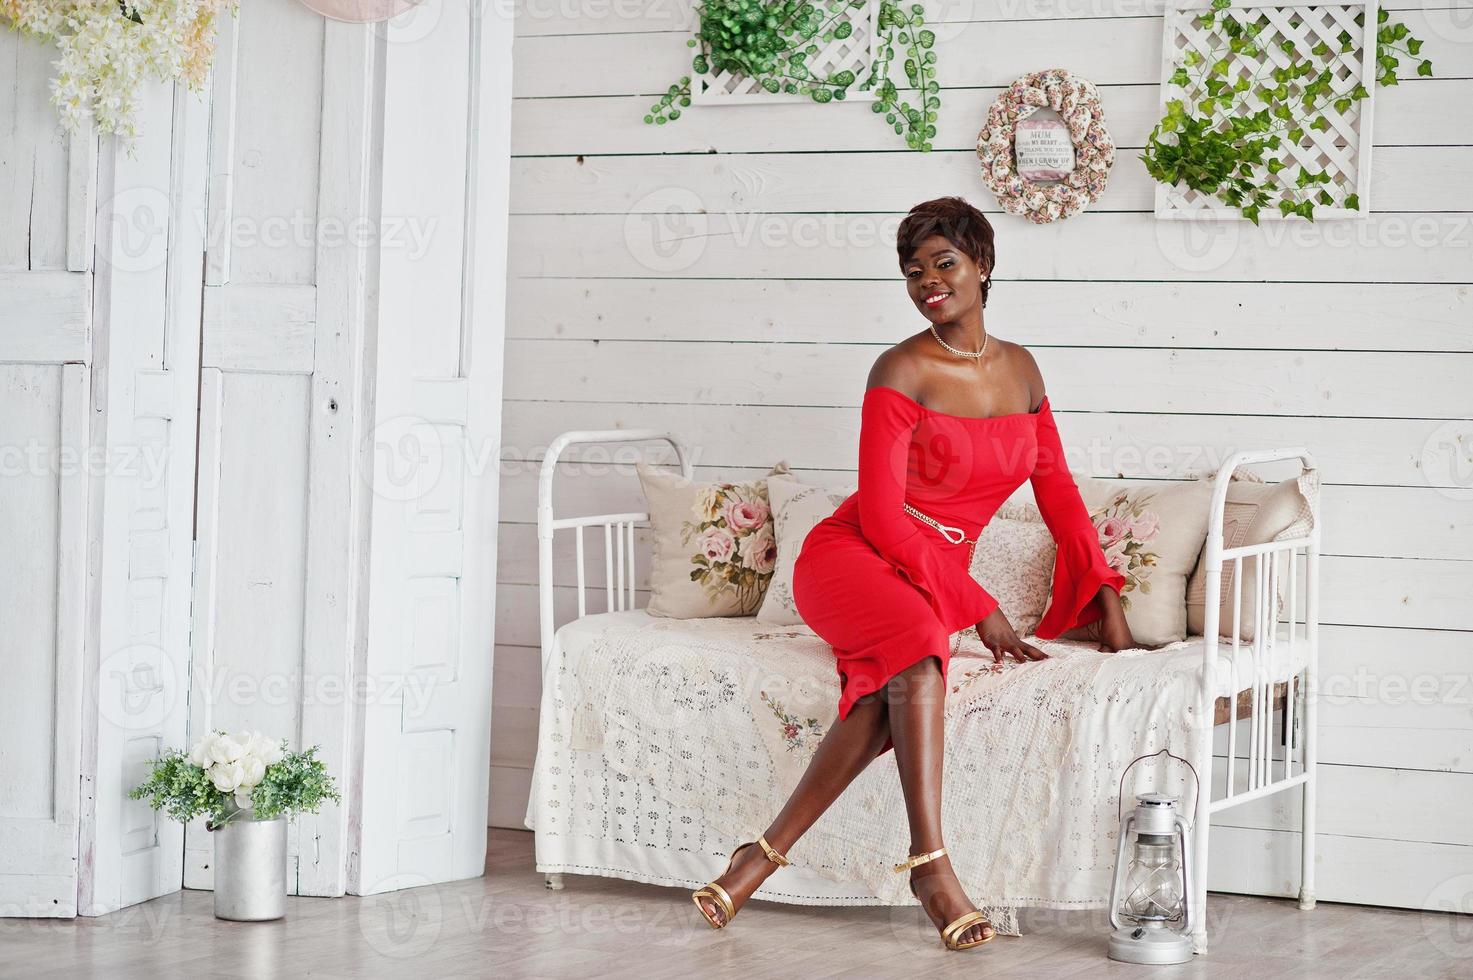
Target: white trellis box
[
  {"x": 856, "y": 52},
  {"x": 1343, "y": 150}
]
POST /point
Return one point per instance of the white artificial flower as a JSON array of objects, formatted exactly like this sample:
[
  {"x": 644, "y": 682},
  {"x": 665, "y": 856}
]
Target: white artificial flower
[
  {"x": 253, "y": 771},
  {"x": 107, "y": 57},
  {"x": 200, "y": 754},
  {"x": 243, "y": 798},
  {"x": 226, "y": 776},
  {"x": 225, "y": 748},
  {"x": 266, "y": 749}
]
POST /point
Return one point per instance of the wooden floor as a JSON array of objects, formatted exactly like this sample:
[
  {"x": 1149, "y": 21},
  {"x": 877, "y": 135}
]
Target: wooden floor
[{"x": 507, "y": 925}]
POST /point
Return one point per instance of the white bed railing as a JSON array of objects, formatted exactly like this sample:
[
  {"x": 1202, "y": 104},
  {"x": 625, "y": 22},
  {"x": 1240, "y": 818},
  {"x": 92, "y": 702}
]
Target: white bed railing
[
  {"x": 1268, "y": 662},
  {"x": 619, "y": 572},
  {"x": 1264, "y": 655}
]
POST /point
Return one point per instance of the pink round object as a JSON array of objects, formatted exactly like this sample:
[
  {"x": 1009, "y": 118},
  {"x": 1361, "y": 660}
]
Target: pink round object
[{"x": 360, "y": 11}]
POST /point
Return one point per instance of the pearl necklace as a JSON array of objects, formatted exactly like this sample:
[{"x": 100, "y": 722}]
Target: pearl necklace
[{"x": 963, "y": 353}]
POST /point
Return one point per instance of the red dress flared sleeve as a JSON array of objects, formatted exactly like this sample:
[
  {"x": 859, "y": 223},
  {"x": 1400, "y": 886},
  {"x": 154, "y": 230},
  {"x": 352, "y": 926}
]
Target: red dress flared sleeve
[
  {"x": 1080, "y": 568},
  {"x": 885, "y": 432}
]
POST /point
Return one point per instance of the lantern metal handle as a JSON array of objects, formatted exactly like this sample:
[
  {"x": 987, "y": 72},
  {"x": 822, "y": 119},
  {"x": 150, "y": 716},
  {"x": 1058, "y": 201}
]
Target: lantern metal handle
[{"x": 1120, "y": 795}]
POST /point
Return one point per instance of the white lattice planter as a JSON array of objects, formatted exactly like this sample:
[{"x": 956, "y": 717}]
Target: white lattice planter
[
  {"x": 856, "y": 52},
  {"x": 1343, "y": 150}
]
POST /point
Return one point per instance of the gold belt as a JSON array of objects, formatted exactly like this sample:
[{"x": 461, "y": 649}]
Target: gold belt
[{"x": 947, "y": 531}]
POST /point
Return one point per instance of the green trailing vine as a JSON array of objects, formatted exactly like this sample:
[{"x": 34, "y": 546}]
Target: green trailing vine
[
  {"x": 1237, "y": 156},
  {"x": 772, "y": 42}
]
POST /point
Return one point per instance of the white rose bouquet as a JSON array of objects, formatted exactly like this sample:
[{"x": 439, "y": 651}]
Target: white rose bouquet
[{"x": 225, "y": 776}]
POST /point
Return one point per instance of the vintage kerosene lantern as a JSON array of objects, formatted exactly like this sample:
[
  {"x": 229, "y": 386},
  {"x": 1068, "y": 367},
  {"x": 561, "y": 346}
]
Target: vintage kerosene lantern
[{"x": 1151, "y": 897}]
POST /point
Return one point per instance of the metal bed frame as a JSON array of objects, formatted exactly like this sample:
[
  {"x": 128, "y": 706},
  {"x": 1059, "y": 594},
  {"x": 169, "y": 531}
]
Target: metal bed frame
[{"x": 1267, "y": 772}]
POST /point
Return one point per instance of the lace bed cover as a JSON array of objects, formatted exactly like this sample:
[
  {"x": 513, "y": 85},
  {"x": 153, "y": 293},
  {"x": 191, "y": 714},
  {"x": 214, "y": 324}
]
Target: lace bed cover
[{"x": 690, "y": 734}]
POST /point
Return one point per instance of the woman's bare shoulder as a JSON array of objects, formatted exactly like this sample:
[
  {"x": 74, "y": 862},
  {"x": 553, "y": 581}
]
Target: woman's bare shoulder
[{"x": 898, "y": 367}]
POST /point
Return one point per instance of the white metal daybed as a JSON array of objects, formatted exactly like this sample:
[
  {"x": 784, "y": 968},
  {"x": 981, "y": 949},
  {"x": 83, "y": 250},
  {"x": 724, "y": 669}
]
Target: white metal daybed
[{"x": 664, "y": 742}]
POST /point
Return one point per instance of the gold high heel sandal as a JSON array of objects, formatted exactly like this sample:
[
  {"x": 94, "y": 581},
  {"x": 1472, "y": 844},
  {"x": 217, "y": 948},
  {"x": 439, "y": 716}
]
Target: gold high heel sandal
[
  {"x": 716, "y": 892},
  {"x": 961, "y": 923}
]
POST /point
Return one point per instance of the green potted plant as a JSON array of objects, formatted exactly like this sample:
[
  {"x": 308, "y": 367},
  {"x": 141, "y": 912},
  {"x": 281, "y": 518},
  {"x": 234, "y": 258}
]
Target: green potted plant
[
  {"x": 246, "y": 786},
  {"x": 770, "y": 42}
]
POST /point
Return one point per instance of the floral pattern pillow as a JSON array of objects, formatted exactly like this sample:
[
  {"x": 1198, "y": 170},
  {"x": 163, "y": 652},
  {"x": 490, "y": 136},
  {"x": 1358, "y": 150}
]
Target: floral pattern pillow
[
  {"x": 714, "y": 544},
  {"x": 796, "y": 508},
  {"x": 1014, "y": 561},
  {"x": 1153, "y": 537}
]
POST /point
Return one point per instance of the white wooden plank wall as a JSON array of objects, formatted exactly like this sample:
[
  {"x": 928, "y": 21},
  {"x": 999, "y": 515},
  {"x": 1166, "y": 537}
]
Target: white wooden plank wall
[{"x": 732, "y": 276}]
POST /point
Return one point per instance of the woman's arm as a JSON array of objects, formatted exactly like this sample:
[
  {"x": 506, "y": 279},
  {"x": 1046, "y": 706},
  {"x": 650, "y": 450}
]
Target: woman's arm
[{"x": 1081, "y": 573}]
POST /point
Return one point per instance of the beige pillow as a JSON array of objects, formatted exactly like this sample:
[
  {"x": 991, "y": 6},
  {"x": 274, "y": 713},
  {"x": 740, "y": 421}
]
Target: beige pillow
[
  {"x": 796, "y": 508},
  {"x": 714, "y": 548},
  {"x": 1153, "y": 537},
  {"x": 1014, "y": 561},
  {"x": 1254, "y": 513}
]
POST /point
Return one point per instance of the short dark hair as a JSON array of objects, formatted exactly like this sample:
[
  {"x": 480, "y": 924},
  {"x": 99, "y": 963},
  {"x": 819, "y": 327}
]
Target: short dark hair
[{"x": 955, "y": 220}]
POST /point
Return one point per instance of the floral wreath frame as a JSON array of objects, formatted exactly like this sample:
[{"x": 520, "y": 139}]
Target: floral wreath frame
[{"x": 1077, "y": 102}]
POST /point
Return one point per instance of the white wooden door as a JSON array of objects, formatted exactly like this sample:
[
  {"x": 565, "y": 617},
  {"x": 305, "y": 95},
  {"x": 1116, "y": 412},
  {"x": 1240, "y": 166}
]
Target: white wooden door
[
  {"x": 146, "y": 314},
  {"x": 425, "y": 746},
  {"x": 46, "y": 187},
  {"x": 98, "y": 364},
  {"x": 278, "y": 521}
]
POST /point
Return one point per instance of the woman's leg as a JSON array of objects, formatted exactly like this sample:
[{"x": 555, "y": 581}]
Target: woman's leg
[
  {"x": 916, "y": 697},
  {"x": 847, "y": 747}
]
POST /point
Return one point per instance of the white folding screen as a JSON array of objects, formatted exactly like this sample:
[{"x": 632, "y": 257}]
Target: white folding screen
[
  {"x": 425, "y": 752},
  {"x": 242, "y": 588}
]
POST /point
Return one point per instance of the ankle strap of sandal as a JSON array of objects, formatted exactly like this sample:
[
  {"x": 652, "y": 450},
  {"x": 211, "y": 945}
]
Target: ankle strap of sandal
[
  {"x": 772, "y": 853},
  {"x": 916, "y": 859}
]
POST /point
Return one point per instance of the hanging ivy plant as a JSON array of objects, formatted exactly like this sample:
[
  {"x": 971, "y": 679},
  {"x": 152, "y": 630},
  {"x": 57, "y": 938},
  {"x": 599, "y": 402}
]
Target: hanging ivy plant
[
  {"x": 1215, "y": 144},
  {"x": 771, "y": 43}
]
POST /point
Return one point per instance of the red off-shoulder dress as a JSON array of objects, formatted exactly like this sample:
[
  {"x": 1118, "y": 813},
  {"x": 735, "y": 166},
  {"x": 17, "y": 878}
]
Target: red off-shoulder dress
[{"x": 885, "y": 588}]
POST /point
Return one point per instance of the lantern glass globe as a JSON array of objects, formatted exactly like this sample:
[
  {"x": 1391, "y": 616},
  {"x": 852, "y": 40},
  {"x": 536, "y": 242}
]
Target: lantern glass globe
[{"x": 1153, "y": 883}]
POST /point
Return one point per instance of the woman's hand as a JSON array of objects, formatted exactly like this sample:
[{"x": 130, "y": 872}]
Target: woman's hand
[
  {"x": 997, "y": 635},
  {"x": 1113, "y": 631},
  {"x": 1109, "y": 630}
]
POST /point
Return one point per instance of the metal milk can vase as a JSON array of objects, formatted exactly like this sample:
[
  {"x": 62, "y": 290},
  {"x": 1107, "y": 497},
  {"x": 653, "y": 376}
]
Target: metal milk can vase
[{"x": 250, "y": 869}]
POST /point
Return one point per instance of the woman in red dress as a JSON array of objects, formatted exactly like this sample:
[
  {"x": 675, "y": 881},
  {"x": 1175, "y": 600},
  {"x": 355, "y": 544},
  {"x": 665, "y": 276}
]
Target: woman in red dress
[{"x": 952, "y": 422}]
